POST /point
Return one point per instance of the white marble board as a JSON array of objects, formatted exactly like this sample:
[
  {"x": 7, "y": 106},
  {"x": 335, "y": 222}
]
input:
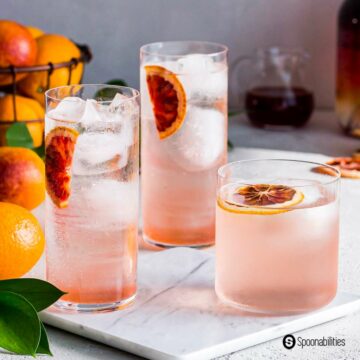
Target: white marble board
[{"x": 177, "y": 316}]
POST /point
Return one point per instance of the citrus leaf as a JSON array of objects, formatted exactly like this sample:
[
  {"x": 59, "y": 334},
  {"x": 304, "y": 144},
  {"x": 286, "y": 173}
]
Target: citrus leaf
[
  {"x": 40, "y": 151},
  {"x": 43, "y": 347},
  {"x": 119, "y": 82},
  {"x": 18, "y": 135},
  {"x": 19, "y": 324},
  {"x": 109, "y": 93},
  {"x": 39, "y": 293}
]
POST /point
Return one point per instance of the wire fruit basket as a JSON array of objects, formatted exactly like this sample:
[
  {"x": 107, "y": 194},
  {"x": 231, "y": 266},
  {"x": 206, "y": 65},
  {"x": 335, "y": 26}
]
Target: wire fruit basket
[{"x": 11, "y": 89}]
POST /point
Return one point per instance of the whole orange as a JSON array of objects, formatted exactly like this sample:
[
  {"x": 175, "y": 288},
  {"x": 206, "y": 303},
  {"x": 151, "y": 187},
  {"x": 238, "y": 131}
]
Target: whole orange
[
  {"x": 22, "y": 241},
  {"x": 56, "y": 49},
  {"x": 22, "y": 177},
  {"x": 35, "y": 32},
  {"x": 26, "y": 109},
  {"x": 17, "y": 48}
]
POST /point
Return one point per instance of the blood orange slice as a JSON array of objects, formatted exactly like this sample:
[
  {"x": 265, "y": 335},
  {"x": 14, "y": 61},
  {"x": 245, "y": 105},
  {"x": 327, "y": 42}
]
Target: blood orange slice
[
  {"x": 59, "y": 150},
  {"x": 261, "y": 199},
  {"x": 168, "y": 99}
]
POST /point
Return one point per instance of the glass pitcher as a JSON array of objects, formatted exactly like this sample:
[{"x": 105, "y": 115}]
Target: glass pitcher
[{"x": 271, "y": 88}]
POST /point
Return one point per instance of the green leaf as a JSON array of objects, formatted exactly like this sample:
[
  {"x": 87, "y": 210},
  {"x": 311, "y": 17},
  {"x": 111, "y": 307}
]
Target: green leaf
[
  {"x": 109, "y": 93},
  {"x": 118, "y": 82},
  {"x": 40, "y": 150},
  {"x": 39, "y": 293},
  {"x": 19, "y": 324},
  {"x": 230, "y": 145},
  {"x": 43, "y": 347},
  {"x": 18, "y": 135}
]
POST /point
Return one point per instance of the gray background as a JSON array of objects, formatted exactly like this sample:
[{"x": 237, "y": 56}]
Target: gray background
[{"x": 115, "y": 29}]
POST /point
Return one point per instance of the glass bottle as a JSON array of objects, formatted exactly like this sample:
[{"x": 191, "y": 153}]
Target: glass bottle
[{"x": 348, "y": 65}]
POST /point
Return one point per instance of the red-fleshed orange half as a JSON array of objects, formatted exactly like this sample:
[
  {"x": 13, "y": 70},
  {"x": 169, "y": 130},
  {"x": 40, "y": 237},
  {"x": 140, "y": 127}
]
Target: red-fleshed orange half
[
  {"x": 168, "y": 99},
  {"x": 59, "y": 151}
]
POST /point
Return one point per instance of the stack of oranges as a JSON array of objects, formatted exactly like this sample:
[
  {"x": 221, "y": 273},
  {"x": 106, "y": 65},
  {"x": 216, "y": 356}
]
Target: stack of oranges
[
  {"x": 22, "y": 46},
  {"x": 22, "y": 188},
  {"x": 22, "y": 171}
]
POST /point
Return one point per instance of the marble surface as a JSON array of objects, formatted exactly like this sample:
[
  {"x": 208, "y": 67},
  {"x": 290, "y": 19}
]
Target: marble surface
[{"x": 178, "y": 316}]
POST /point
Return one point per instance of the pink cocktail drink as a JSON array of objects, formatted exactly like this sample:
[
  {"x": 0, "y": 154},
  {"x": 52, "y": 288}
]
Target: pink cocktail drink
[
  {"x": 92, "y": 195},
  {"x": 184, "y": 134},
  {"x": 178, "y": 205},
  {"x": 278, "y": 256}
]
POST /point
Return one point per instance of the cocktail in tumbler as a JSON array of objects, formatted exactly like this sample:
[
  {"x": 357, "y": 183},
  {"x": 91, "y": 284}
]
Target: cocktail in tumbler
[{"x": 277, "y": 231}]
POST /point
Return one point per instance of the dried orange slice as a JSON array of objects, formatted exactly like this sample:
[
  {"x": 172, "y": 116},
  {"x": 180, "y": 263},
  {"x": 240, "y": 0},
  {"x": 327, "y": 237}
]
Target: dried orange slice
[
  {"x": 168, "y": 99},
  {"x": 59, "y": 150},
  {"x": 349, "y": 167},
  {"x": 262, "y": 199},
  {"x": 356, "y": 155}
]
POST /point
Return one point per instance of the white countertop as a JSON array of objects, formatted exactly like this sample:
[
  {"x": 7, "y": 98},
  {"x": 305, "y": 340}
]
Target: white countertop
[{"x": 314, "y": 138}]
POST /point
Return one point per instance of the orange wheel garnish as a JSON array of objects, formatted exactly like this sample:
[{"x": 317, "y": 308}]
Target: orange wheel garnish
[
  {"x": 168, "y": 99},
  {"x": 59, "y": 150},
  {"x": 262, "y": 199}
]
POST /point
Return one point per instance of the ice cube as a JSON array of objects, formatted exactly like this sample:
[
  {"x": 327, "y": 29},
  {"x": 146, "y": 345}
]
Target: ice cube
[
  {"x": 194, "y": 64},
  {"x": 70, "y": 108},
  {"x": 91, "y": 113},
  {"x": 117, "y": 101},
  {"x": 116, "y": 202},
  {"x": 97, "y": 153},
  {"x": 202, "y": 78},
  {"x": 200, "y": 142}
]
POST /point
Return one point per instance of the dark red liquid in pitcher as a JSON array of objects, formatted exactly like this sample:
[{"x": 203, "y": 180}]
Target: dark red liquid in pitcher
[{"x": 279, "y": 106}]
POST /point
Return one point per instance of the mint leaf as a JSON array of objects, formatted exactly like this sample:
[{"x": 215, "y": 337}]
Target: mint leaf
[
  {"x": 43, "y": 347},
  {"x": 19, "y": 324},
  {"x": 18, "y": 135},
  {"x": 39, "y": 293}
]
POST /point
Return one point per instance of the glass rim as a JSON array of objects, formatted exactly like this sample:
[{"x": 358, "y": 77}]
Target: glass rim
[
  {"x": 335, "y": 178},
  {"x": 135, "y": 93},
  {"x": 143, "y": 48}
]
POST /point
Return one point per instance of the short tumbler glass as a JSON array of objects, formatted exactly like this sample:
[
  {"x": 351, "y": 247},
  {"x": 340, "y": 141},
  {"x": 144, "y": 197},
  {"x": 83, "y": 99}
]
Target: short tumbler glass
[
  {"x": 277, "y": 231},
  {"x": 92, "y": 183}
]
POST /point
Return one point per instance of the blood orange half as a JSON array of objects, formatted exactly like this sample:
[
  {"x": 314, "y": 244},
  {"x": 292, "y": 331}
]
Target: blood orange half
[
  {"x": 168, "y": 99},
  {"x": 59, "y": 150}
]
